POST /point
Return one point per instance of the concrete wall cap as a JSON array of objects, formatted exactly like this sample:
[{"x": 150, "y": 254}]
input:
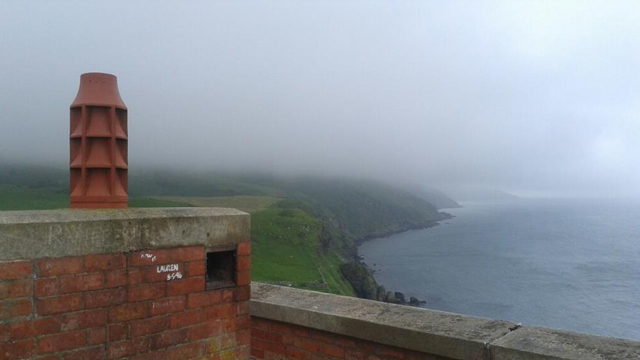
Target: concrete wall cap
[
  {"x": 70, "y": 215},
  {"x": 450, "y": 335},
  {"x": 26, "y": 235},
  {"x": 537, "y": 343}
]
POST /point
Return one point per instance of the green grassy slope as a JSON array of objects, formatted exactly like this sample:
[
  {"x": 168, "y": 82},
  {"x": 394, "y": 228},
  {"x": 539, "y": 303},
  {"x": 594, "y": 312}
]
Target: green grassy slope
[
  {"x": 193, "y": 184},
  {"x": 286, "y": 251}
]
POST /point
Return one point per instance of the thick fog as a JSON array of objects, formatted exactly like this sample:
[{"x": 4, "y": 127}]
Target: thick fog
[{"x": 534, "y": 97}]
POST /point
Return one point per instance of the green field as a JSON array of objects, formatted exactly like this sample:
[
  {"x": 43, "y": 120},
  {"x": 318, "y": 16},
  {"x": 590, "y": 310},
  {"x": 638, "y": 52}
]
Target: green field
[
  {"x": 17, "y": 198},
  {"x": 249, "y": 204}
]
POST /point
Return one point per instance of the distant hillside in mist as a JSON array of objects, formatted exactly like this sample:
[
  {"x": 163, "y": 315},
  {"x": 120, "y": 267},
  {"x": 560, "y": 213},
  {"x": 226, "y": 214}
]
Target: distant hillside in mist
[
  {"x": 480, "y": 194},
  {"x": 433, "y": 196}
]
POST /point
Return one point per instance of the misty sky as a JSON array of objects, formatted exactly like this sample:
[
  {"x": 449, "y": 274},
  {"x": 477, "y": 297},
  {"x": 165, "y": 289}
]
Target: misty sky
[{"x": 536, "y": 97}]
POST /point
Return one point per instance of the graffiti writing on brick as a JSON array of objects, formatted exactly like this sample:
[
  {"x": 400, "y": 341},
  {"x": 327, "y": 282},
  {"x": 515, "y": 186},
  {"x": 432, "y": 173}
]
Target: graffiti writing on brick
[
  {"x": 167, "y": 268},
  {"x": 173, "y": 276},
  {"x": 148, "y": 256},
  {"x": 173, "y": 269}
]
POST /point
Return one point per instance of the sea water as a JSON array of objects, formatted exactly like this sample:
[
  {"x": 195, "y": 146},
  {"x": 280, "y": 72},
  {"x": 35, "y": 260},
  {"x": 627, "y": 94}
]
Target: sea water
[{"x": 565, "y": 264}]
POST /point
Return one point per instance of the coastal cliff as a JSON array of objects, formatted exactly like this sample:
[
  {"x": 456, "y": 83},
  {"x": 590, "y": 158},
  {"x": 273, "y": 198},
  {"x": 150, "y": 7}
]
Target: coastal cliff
[{"x": 355, "y": 211}]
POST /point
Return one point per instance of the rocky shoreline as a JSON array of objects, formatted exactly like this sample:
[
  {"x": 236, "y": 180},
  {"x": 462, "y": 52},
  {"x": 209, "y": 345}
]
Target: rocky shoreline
[
  {"x": 391, "y": 232},
  {"x": 360, "y": 275},
  {"x": 399, "y": 298}
]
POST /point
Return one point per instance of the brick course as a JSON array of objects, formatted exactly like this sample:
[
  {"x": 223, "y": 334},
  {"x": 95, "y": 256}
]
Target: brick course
[
  {"x": 277, "y": 340},
  {"x": 121, "y": 306}
]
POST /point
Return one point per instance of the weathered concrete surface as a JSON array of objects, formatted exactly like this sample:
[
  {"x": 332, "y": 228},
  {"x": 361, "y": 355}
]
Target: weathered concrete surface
[
  {"x": 66, "y": 232},
  {"x": 535, "y": 343},
  {"x": 444, "y": 334},
  {"x": 450, "y": 335}
]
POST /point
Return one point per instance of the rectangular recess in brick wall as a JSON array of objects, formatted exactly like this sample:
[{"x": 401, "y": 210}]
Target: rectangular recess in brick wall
[{"x": 221, "y": 269}]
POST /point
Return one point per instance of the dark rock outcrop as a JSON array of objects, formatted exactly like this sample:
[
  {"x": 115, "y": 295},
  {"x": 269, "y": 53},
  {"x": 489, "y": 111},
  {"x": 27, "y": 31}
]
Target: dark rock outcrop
[
  {"x": 415, "y": 302},
  {"x": 361, "y": 280}
]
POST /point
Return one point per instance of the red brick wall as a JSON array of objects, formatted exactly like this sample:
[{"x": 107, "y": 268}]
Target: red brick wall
[
  {"x": 118, "y": 306},
  {"x": 271, "y": 340}
]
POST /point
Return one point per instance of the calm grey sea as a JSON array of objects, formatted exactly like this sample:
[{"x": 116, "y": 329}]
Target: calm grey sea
[{"x": 566, "y": 264}]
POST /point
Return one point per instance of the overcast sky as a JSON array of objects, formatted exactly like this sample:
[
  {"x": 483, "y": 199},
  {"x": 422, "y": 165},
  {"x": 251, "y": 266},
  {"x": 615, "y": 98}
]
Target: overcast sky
[{"x": 536, "y": 97}]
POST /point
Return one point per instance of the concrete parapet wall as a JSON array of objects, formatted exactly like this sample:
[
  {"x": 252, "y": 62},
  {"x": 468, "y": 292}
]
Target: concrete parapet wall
[
  {"x": 58, "y": 233},
  {"x": 136, "y": 290},
  {"x": 299, "y": 324}
]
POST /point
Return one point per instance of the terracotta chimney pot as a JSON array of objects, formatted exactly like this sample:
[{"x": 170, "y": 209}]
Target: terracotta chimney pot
[{"x": 98, "y": 144}]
